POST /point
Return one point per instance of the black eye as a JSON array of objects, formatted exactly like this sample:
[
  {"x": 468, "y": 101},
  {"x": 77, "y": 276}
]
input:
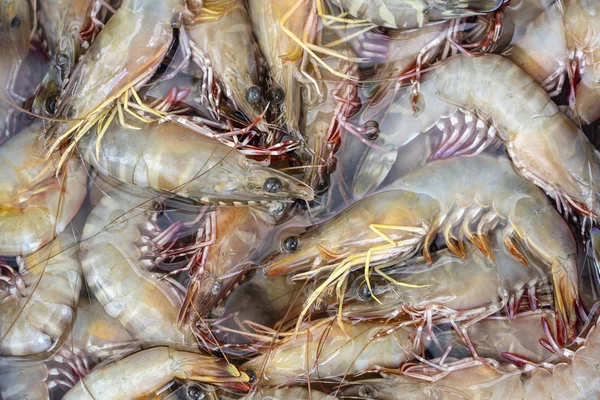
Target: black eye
[
  {"x": 15, "y": 22},
  {"x": 367, "y": 392},
  {"x": 276, "y": 95},
  {"x": 290, "y": 244},
  {"x": 253, "y": 94},
  {"x": 372, "y": 129},
  {"x": 195, "y": 392},
  {"x": 251, "y": 375},
  {"x": 272, "y": 185},
  {"x": 51, "y": 105},
  {"x": 364, "y": 293}
]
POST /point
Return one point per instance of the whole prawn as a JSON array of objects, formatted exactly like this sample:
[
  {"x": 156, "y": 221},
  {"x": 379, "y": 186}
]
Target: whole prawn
[
  {"x": 156, "y": 368},
  {"x": 569, "y": 374},
  {"x": 171, "y": 157},
  {"x": 450, "y": 197},
  {"x": 123, "y": 57},
  {"x": 114, "y": 251},
  {"x": 409, "y": 14},
  {"x": 37, "y": 313},
  {"x": 545, "y": 146}
]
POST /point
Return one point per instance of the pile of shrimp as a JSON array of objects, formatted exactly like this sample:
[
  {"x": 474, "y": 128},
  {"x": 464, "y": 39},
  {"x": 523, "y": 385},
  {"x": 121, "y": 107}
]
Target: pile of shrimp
[{"x": 299, "y": 199}]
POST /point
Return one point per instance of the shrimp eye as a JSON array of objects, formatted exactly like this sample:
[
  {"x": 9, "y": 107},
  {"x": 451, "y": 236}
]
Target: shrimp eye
[
  {"x": 253, "y": 95},
  {"x": 50, "y": 104},
  {"x": 15, "y": 22},
  {"x": 290, "y": 244},
  {"x": 364, "y": 293},
  {"x": 195, "y": 392},
  {"x": 372, "y": 128},
  {"x": 367, "y": 392},
  {"x": 272, "y": 185},
  {"x": 276, "y": 95},
  {"x": 251, "y": 375}
]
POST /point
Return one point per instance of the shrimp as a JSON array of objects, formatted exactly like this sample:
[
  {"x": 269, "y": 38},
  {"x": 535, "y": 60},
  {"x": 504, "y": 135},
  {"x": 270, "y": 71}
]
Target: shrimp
[
  {"x": 447, "y": 196},
  {"x": 455, "y": 289},
  {"x": 15, "y": 34},
  {"x": 35, "y": 205},
  {"x": 36, "y": 319},
  {"x": 116, "y": 254},
  {"x": 409, "y": 14},
  {"x": 222, "y": 43},
  {"x": 95, "y": 339},
  {"x": 545, "y": 146},
  {"x": 571, "y": 376},
  {"x": 170, "y": 157},
  {"x": 238, "y": 231},
  {"x": 326, "y": 351},
  {"x": 154, "y": 368},
  {"x": 271, "y": 20},
  {"x": 122, "y": 58}
]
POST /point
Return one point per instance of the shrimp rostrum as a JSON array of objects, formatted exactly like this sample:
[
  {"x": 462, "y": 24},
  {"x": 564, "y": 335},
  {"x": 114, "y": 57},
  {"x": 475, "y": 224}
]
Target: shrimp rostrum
[{"x": 461, "y": 198}]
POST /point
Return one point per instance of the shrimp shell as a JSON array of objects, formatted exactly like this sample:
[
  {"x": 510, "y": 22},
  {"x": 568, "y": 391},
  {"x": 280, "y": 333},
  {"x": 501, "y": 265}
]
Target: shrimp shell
[{"x": 38, "y": 320}]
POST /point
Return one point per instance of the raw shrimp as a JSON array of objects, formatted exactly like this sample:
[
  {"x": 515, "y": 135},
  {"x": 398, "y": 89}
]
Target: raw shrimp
[
  {"x": 116, "y": 255},
  {"x": 447, "y": 196},
  {"x": 239, "y": 232},
  {"x": 122, "y": 58},
  {"x": 545, "y": 146},
  {"x": 451, "y": 288},
  {"x": 270, "y": 21},
  {"x": 223, "y": 45},
  {"x": 327, "y": 351},
  {"x": 34, "y": 204},
  {"x": 572, "y": 376},
  {"x": 38, "y": 311},
  {"x": 170, "y": 157},
  {"x": 408, "y": 14},
  {"x": 95, "y": 339},
  {"x": 154, "y": 368},
  {"x": 15, "y": 34}
]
